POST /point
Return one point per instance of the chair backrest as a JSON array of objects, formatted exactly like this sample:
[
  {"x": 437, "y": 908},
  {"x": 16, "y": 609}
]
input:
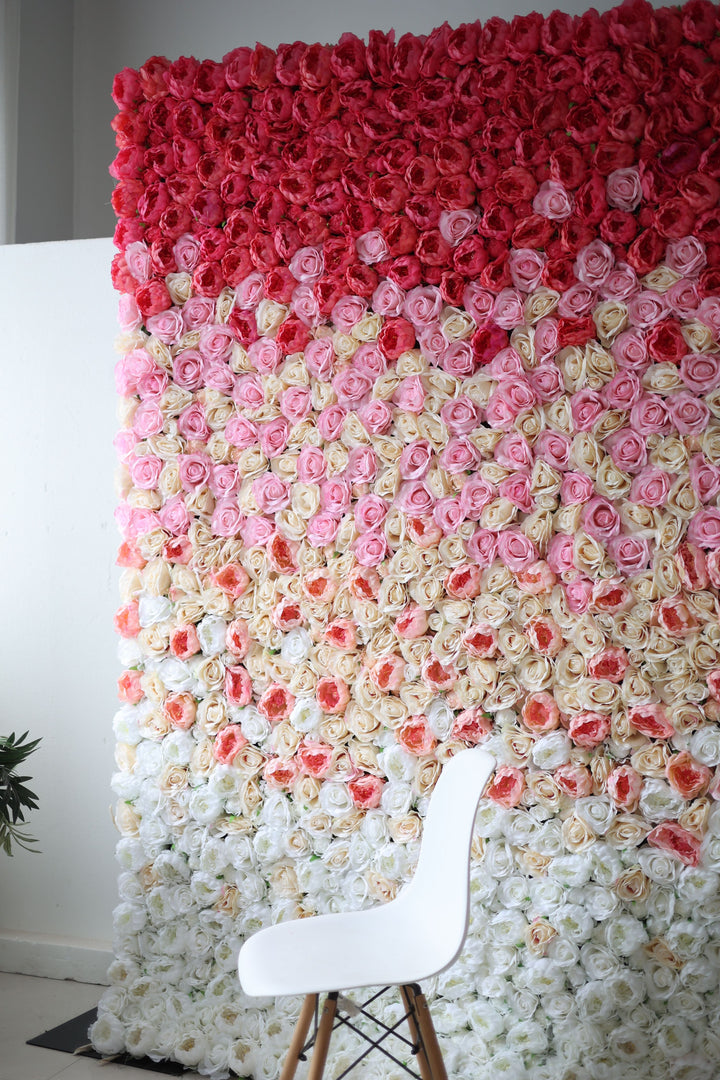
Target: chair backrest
[{"x": 438, "y": 894}]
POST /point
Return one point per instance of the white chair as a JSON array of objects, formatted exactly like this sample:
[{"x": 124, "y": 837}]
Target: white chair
[{"x": 417, "y": 935}]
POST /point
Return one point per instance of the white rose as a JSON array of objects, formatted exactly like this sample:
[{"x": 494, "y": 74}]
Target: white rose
[
  {"x": 177, "y": 747},
  {"x": 658, "y": 801},
  {"x": 572, "y": 869},
  {"x": 660, "y": 981},
  {"x": 545, "y": 895},
  {"x": 625, "y": 988},
  {"x": 335, "y": 799},
  {"x": 296, "y": 646},
  {"x": 513, "y": 891},
  {"x": 520, "y": 828},
  {"x": 607, "y": 864},
  {"x": 129, "y": 918},
  {"x": 107, "y": 1034},
  {"x": 598, "y": 961},
  {"x": 673, "y": 1035},
  {"x": 565, "y": 954},
  {"x": 148, "y": 763},
  {"x": 397, "y": 763},
  {"x": 552, "y": 750},
  {"x": 205, "y": 806},
  {"x": 276, "y": 811},
  {"x": 211, "y": 634},
  {"x": 306, "y": 715},
  {"x": 700, "y": 975},
  {"x": 130, "y": 889},
  {"x": 175, "y": 675},
  {"x": 396, "y": 799},
  {"x": 499, "y": 860},
  {"x": 126, "y": 785},
  {"x": 391, "y": 860},
  {"x": 573, "y": 922},
  {"x": 544, "y": 978},
  {"x": 697, "y": 883},
  {"x": 630, "y": 1043},
  {"x": 154, "y": 834},
  {"x": 507, "y": 928},
  {"x": 526, "y": 1037},
  {"x": 595, "y": 811},
  {"x": 549, "y": 839},
  {"x": 599, "y": 901},
  {"x": 490, "y": 820},
  {"x": 686, "y": 938},
  {"x": 254, "y": 726},
  {"x": 485, "y": 1019},
  {"x": 130, "y": 653},
  {"x": 153, "y": 610},
  {"x": 440, "y": 718},
  {"x": 624, "y": 934},
  {"x": 125, "y": 725},
  {"x": 705, "y": 746},
  {"x": 658, "y": 866},
  {"x": 374, "y": 828},
  {"x": 593, "y": 1001},
  {"x": 268, "y": 844}
]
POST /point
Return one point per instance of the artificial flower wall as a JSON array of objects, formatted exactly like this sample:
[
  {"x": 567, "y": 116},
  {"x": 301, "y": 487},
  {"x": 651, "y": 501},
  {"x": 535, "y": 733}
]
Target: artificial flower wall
[{"x": 420, "y": 445}]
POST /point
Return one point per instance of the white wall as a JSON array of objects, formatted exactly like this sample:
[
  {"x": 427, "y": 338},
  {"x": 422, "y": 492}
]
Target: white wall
[{"x": 59, "y": 592}]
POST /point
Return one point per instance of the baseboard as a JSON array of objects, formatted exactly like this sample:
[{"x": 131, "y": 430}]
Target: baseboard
[{"x": 55, "y": 958}]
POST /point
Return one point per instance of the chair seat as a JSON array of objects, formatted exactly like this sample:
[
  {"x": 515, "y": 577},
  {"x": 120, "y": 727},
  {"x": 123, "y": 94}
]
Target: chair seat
[{"x": 384, "y": 946}]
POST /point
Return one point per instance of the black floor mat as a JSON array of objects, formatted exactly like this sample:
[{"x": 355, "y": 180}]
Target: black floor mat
[{"x": 73, "y": 1034}]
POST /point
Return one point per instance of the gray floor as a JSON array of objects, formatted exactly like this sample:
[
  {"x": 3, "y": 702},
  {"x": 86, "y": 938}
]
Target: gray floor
[{"x": 29, "y": 1006}]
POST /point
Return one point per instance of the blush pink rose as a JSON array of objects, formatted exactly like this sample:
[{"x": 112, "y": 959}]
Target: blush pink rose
[
  {"x": 686, "y": 256},
  {"x": 459, "y": 456},
  {"x": 630, "y": 352},
  {"x": 455, "y": 225},
  {"x": 240, "y": 432},
  {"x": 174, "y": 516},
  {"x": 540, "y": 713},
  {"x": 631, "y": 553},
  {"x": 332, "y": 694},
  {"x": 536, "y": 579},
  {"x": 148, "y": 420},
  {"x": 600, "y": 519},
  {"x": 554, "y": 448},
  {"x": 295, "y": 403},
  {"x": 265, "y": 356},
  {"x": 588, "y": 729},
  {"x": 577, "y": 301},
  {"x": 307, "y": 264},
  {"x": 145, "y": 471},
  {"x": 513, "y": 451},
  {"x": 415, "y": 459},
  {"x": 482, "y": 546},
  {"x": 228, "y": 744},
  {"x": 448, "y": 515},
  {"x": 458, "y": 360},
  {"x": 515, "y": 549},
  {"x": 623, "y": 390},
  {"x": 621, "y": 283},
  {"x": 561, "y": 553},
  {"x": 505, "y": 365},
  {"x": 576, "y": 488},
  {"x": 676, "y": 841},
  {"x": 575, "y": 781},
  {"x": 463, "y": 582},
  {"x": 628, "y": 450},
  {"x": 475, "y": 494},
  {"x": 366, "y": 791},
  {"x": 280, "y": 774},
  {"x": 311, "y": 465},
  {"x": 369, "y": 360},
  {"x": 687, "y": 776},
  {"x": 271, "y": 493},
  {"x": 257, "y": 531},
  {"x": 461, "y": 415},
  {"x": 587, "y": 407},
  {"x": 248, "y": 392},
  {"x": 553, "y": 201},
  {"x": 506, "y": 787},
  {"x": 414, "y": 498},
  {"x": 388, "y": 299},
  {"x": 362, "y": 466},
  {"x": 224, "y": 481},
  {"x": 179, "y": 710},
  {"x": 351, "y": 387},
  {"x": 423, "y": 305},
  {"x": 319, "y": 358},
  {"x": 578, "y": 595},
  {"x": 330, "y": 422},
  {"x": 546, "y": 341},
  {"x": 650, "y": 487},
  {"x": 704, "y": 477},
  {"x": 322, "y": 529},
  {"x": 516, "y": 489},
  {"x": 690, "y": 415},
  {"x": 371, "y": 548},
  {"x": 593, "y": 264},
  {"x": 624, "y": 786},
  {"x": 375, "y": 416},
  {"x": 646, "y": 308},
  {"x": 610, "y": 664},
  {"x": 347, "y": 311},
  {"x": 415, "y": 736},
  {"x": 651, "y": 720},
  {"x": 335, "y": 496},
  {"x": 624, "y": 189},
  {"x": 508, "y": 309},
  {"x": 526, "y": 267},
  {"x": 370, "y": 512},
  {"x": 676, "y": 616},
  {"x": 704, "y": 529}
]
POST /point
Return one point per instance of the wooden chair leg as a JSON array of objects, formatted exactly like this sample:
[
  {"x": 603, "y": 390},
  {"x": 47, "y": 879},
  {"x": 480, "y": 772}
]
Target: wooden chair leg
[
  {"x": 429, "y": 1038},
  {"x": 299, "y": 1037},
  {"x": 322, "y": 1040},
  {"x": 408, "y": 996}
]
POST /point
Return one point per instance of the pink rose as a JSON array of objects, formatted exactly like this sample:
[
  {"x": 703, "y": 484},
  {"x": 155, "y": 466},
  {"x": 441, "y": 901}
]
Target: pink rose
[
  {"x": 537, "y": 578},
  {"x": 280, "y": 774},
  {"x": 600, "y": 519},
  {"x": 215, "y": 342},
  {"x": 250, "y": 291},
  {"x": 623, "y": 390},
  {"x": 369, "y": 360},
  {"x": 240, "y": 432},
  {"x": 347, "y": 311},
  {"x": 515, "y": 549},
  {"x": 576, "y": 488},
  {"x": 194, "y": 470},
  {"x": 650, "y": 487},
  {"x": 593, "y": 264},
  {"x": 415, "y": 498},
  {"x": 461, "y": 415},
  {"x": 646, "y": 308},
  {"x": 478, "y": 302},
  {"x": 513, "y": 452},
  {"x": 624, "y": 786},
  {"x": 179, "y": 710},
  {"x": 482, "y": 546},
  {"x": 560, "y": 554},
  {"x": 552, "y": 201},
  {"x": 627, "y": 449},
  {"x": 687, "y": 776},
  {"x": 423, "y": 305},
  {"x": 506, "y": 787},
  {"x": 554, "y": 448},
  {"x": 650, "y": 415},
  {"x": 265, "y": 356},
  {"x": 362, "y": 465},
  {"x": 192, "y": 424},
  {"x": 129, "y": 318},
  {"x": 311, "y": 465},
  {"x": 436, "y": 675},
  {"x": 410, "y": 395},
  {"x": 691, "y": 563},
  {"x": 700, "y": 371},
  {"x": 463, "y": 582},
  {"x": 578, "y": 594},
  {"x": 371, "y": 247},
  {"x": 145, "y": 471},
  {"x": 273, "y": 436},
  {"x": 322, "y": 529},
  {"x": 226, "y": 518},
  {"x": 351, "y": 387},
  {"x": 330, "y": 422},
  {"x": 630, "y": 553},
  {"x": 307, "y": 264},
  {"x": 304, "y": 305},
  {"x": 148, "y": 420},
  {"x": 375, "y": 416},
  {"x": 319, "y": 357},
  {"x": 508, "y": 310},
  {"x": 167, "y": 326},
  {"x": 415, "y": 459},
  {"x": 704, "y": 477},
  {"x": 630, "y": 351},
  {"x": 621, "y": 283},
  {"x": 271, "y": 493},
  {"x": 130, "y": 370},
  {"x": 458, "y": 360},
  {"x": 448, "y": 514},
  {"x": 335, "y": 496},
  {"x": 577, "y": 301},
  {"x": 248, "y": 392},
  {"x": 526, "y": 267},
  {"x": 296, "y": 403},
  {"x": 704, "y": 529},
  {"x": 475, "y": 494},
  {"x": 184, "y": 641},
  {"x": 689, "y": 414},
  {"x": 611, "y": 596},
  {"x": 516, "y": 489},
  {"x": 686, "y": 256},
  {"x": 432, "y": 342},
  {"x": 388, "y": 299},
  {"x": 540, "y": 713},
  {"x": 623, "y": 189},
  {"x": 588, "y": 729},
  {"x": 276, "y": 703},
  {"x": 547, "y": 382},
  {"x": 683, "y": 298},
  {"x": 455, "y": 225},
  {"x": 709, "y": 313},
  {"x": 371, "y": 548},
  {"x": 332, "y": 694}
]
